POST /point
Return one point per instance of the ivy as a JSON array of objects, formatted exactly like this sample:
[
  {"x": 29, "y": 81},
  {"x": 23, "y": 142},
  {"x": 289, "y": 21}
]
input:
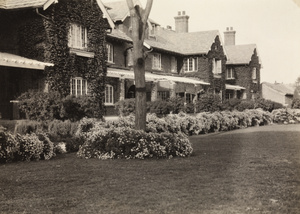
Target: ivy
[{"x": 46, "y": 39}]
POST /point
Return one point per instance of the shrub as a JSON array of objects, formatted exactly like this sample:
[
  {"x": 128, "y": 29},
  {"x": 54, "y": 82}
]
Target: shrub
[
  {"x": 176, "y": 105},
  {"x": 125, "y": 107},
  {"x": 296, "y": 103},
  {"x": 62, "y": 129},
  {"x": 208, "y": 102},
  {"x": 43, "y": 106},
  {"x": 31, "y": 148},
  {"x": 8, "y": 147},
  {"x": 158, "y": 107},
  {"x": 133, "y": 144},
  {"x": 40, "y": 106},
  {"x": 75, "y": 108},
  {"x": 29, "y": 126},
  {"x": 48, "y": 147},
  {"x": 230, "y": 104}
]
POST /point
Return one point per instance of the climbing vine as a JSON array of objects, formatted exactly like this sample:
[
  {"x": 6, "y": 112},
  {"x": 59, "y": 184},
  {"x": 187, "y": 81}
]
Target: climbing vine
[{"x": 49, "y": 37}]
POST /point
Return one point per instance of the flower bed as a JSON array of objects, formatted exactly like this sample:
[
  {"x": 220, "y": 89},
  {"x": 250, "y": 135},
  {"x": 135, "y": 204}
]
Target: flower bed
[{"x": 133, "y": 144}]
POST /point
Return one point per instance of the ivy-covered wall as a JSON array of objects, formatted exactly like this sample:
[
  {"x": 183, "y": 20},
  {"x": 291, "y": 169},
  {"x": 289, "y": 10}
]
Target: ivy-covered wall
[
  {"x": 217, "y": 52},
  {"x": 46, "y": 39}
]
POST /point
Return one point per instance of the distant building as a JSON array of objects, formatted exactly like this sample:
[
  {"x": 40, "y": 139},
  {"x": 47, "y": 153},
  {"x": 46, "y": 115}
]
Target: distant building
[{"x": 278, "y": 92}]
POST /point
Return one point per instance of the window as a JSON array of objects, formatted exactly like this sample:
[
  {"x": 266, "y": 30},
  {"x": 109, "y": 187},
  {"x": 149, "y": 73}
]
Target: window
[
  {"x": 190, "y": 64},
  {"x": 79, "y": 86},
  {"x": 173, "y": 64},
  {"x": 217, "y": 66},
  {"x": 156, "y": 62},
  {"x": 254, "y": 73},
  {"x": 163, "y": 95},
  {"x": 110, "y": 52},
  {"x": 78, "y": 37},
  {"x": 229, "y": 74},
  {"x": 109, "y": 95},
  {"x": 129, "y": 58}
]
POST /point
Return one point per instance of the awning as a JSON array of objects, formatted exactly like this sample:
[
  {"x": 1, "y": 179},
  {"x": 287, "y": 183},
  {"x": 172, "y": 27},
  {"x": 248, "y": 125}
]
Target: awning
[
  {"x": 126, "y": 74},
  {"x": 234, "y": 87},
  {"x": 186, "y": 80},
  {"x": 12, "y": 60}
]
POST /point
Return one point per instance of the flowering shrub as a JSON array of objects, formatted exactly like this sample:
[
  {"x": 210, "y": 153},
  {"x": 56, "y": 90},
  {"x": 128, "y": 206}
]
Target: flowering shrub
[
  {"x": 48, "y": 147},
  {"x": 133, "y": 144},
  {"x": 25, "y": 147},
  {"x": 8, "y": 147},
  {"x": 286, "y": 116},
  {"x": 31, "y": 148}
]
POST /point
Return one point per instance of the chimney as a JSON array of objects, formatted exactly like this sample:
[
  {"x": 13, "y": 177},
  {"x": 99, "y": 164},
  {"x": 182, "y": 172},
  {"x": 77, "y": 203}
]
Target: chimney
[
  {"x": 182, "y": 22},
  {"x": 229, "y": 36}
]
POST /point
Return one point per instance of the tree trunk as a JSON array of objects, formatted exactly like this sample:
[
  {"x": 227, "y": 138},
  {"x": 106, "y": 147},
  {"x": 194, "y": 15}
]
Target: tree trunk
[{"x": 139, "y": 18}]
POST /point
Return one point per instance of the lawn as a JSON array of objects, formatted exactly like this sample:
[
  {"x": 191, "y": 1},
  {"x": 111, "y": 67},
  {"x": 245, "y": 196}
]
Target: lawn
[{"x": 254, "y": 170}]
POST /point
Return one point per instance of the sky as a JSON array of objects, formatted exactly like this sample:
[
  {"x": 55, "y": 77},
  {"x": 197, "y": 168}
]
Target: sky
[{"x": 273, "y": 25}]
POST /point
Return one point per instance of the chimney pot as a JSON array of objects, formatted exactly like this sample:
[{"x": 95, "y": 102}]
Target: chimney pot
[
  {"x": 227, "y": 28},
  {"x": 179, "y": 13},
  {"x": 183, "y": 13},
  {"x": 231, "y": 28}
]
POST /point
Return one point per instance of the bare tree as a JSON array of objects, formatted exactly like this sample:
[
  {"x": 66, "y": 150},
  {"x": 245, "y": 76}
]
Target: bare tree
[{"x": 139, "y": 17}]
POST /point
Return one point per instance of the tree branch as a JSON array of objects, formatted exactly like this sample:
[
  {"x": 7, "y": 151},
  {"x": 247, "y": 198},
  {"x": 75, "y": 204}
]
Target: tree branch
[
  {"x": 147, "y": 10},
  {"x": 130, "y": 6}
]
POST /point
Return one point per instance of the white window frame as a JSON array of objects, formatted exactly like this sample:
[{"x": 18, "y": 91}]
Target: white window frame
[
  {"x": 217, "y": 66},
  {"x": 156, "y": 61},
  {"x": 79, "y": 86},
  {"x": 190, "y": 64},
  {"x": 109, "y": 95},
  {"x": 78, "y": 37},
  {"x": 110, "y": 52},
  {"x": 230, "y": 74}
]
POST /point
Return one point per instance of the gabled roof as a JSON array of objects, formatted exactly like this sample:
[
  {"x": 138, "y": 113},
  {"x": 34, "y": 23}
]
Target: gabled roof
[
  {"x": 184, "y": 43},
  {"x": 21, "y": 4},
  {"x": 281, "y": 88},
  {"x": 239, "y": 54},
  {"x": 168, "y": 40}
]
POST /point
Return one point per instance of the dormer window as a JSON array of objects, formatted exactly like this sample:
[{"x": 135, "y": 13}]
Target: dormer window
[
  {"x": 78, "y": 37},
  {"x": 190, "y": 64}
]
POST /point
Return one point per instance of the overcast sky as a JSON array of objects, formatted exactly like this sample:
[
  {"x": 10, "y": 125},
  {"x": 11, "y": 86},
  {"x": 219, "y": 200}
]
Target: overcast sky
[{"x": 273, "y": 25}]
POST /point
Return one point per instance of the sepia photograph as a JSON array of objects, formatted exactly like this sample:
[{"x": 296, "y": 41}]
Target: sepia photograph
[{"x": 148, "y": 106}]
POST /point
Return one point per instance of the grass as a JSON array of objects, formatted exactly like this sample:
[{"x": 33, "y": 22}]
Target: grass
[{"x": 254, "y": 170}]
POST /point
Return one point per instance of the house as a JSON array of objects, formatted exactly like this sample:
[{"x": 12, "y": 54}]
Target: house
[
  {"x": 50, "y": 45},
  {"x": 178, "y": 62},
  {"x": 278, "y": 92},
  {"x": 242, "y": 68}
]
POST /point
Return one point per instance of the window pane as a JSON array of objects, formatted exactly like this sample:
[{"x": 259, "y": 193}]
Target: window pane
[
  {"x": 78, "y": 87},
  {"x": 73, "y": 87},
  {"x": 84, "y": 85}
]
